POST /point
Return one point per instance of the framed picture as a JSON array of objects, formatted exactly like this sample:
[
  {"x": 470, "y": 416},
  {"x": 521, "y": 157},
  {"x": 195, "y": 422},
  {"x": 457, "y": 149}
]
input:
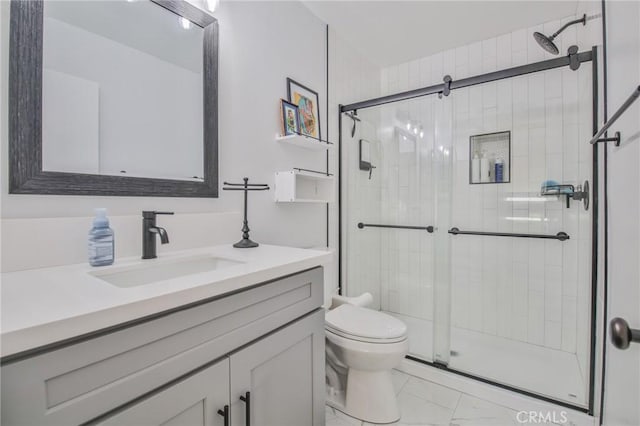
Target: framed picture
[
  {"x": 290, "y": 118},
  {"x": 308, "y": 110}
]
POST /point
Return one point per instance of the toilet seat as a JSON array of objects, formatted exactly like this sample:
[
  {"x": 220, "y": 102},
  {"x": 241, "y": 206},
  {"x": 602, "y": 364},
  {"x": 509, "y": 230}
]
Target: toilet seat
[{"x": 364, "y": 325}]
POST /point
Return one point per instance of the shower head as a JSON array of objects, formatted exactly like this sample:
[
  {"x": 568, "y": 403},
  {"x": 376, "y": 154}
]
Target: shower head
[{"x": 546, "y": 42}]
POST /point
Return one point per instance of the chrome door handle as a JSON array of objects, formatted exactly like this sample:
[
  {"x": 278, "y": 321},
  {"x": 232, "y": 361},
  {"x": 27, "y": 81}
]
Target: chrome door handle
[{"x": 621, "y": 335}]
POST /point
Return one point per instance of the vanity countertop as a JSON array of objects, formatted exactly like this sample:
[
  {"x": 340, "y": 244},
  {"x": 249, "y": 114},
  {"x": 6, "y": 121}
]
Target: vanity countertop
[{"x": 43, "y": 306}]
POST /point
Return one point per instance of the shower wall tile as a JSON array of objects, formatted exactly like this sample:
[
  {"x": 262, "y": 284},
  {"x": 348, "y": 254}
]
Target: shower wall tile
[
  {"x": 534, "y": 53},
  {"x": 462, "y": 57},
  {"x": 437, "y": 68},
  {"x": 503, "y": 51},
  {"x": 519, "y": 57},
  {"x": 569, "y": 325},
  {"x": 425, "y": 71},
  {"x": 553, "y": 334},
  {"x": 536, "y": 323},
  {"x": 403, "y": 77},
  {"x": 519, "y": 40}
]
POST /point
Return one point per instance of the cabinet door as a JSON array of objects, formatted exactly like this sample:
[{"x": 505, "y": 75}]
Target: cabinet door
[
  {"x": 284, "y": 375},
  {"x": 192, "y": 401}
]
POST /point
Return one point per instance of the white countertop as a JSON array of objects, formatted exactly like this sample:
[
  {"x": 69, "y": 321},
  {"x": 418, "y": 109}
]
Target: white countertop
[{"x": 43, "y": 306}]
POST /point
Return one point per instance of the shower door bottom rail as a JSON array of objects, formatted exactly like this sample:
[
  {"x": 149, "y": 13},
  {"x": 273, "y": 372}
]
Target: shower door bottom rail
[
  {"x": 561, "y": 236},
  {"x": 429, "y": 228}
]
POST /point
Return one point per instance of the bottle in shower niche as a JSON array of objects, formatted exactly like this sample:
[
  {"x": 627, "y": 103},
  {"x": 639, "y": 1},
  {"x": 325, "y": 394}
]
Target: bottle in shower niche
[
  {"x": 101, "y": 242},
  {"x": 475, "y": 168},
  {"x": 499, "y": 170},
  {"x": 485, "y": 174}
]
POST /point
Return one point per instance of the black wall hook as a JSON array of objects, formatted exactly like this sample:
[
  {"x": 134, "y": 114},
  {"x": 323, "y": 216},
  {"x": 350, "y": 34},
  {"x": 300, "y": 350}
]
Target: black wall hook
[
  {"x": 245, "y": 242},
  {"x": 354, "y": 116}
]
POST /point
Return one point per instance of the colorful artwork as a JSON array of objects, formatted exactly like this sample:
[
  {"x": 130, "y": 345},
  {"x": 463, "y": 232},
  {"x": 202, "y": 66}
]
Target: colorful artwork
[
  {"x": 307, "y": 102},
  {"x": 290, "y": 119},
  {"x": 308, "y": 120}
]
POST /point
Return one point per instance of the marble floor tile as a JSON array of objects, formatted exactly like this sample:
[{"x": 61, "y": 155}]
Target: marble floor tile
[
  {"x": 432, "y": 392},
  {"x": 475, "y": 411},
  {"x": 424, "y": 403},
  {"x": 399, "y": 380},
  {"x": 419, "y": 411},
  {"x": 338, "y": 418}
]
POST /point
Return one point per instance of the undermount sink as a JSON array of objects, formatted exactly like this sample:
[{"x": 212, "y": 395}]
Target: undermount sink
[{"x": 154, "y": 271}]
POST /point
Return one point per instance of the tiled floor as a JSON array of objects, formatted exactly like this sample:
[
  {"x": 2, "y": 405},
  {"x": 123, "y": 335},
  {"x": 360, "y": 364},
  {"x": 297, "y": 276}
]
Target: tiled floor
[
  {"x": 530, "y": 367},
  {"x": 426, "y": 403}
]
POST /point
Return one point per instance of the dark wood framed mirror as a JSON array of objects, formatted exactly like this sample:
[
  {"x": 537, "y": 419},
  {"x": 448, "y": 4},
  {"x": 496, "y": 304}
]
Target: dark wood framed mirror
[{"x": 26, "y": 173}]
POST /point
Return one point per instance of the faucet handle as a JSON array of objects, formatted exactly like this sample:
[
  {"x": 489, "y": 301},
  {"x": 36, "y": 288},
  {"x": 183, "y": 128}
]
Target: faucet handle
[{"x": 150, "y": 214}]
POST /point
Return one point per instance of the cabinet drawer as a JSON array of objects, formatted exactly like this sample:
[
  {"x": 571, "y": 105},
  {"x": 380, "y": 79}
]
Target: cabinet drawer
[{"x": 76, "y": 383}]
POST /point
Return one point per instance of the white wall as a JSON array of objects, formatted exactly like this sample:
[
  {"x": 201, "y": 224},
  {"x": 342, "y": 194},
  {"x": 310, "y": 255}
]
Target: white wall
[
  {"x": 261, "y": 44},
  {"x": 622, "y": 381},
  {"x": 352, "y": 78}
]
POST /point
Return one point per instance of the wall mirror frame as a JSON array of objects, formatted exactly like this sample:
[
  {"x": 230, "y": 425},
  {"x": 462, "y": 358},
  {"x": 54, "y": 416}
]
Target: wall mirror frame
[{"x": 26, "y": 174}]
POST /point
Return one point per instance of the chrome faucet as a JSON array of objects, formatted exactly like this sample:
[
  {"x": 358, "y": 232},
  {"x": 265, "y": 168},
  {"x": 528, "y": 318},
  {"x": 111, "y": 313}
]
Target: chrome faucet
[{"x": 149, "y": 232}]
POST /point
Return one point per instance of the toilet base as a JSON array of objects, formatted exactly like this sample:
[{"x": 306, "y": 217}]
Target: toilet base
[{"x": 370, "y": 397}]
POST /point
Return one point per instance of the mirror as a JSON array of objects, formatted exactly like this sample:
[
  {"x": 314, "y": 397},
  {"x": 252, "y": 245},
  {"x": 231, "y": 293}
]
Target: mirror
[{"x": 111, "y": 99}]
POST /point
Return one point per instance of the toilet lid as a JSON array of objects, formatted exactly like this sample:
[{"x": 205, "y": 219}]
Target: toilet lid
[{"x": 365, "y": 323}]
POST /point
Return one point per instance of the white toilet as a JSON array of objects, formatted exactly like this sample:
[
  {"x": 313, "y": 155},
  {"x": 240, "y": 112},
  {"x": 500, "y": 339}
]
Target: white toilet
[{"x": 363, "y": 346}]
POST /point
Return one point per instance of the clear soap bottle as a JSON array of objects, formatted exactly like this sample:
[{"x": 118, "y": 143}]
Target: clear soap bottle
[{"x": 101, "y": 241}]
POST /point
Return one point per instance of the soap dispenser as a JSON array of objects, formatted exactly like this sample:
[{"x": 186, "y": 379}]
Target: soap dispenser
[{"x": 101, "y": 241}]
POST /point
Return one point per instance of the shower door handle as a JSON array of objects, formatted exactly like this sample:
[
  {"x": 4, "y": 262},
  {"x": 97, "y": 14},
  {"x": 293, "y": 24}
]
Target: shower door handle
[{"x": 621, "y": 335}]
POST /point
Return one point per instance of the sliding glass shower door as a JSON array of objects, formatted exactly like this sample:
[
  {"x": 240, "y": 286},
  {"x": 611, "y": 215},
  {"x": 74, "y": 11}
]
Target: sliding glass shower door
[
  {"x": 473, "y": 227},
  {"x": 398, "y": 167},
  {"x": 521, "y": 303}
]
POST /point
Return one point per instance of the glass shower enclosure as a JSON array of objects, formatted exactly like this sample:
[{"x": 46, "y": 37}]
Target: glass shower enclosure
[{"x": 466, "y": 215}]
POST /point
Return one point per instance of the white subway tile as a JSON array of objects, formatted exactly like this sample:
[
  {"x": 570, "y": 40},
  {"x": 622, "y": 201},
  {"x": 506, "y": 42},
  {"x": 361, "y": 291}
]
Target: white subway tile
[
  {"x": 503, "y": 51},
  {"x": 536, "y": 323},
  {"x": 553, "y": 334},
  {"x": 534, "y": 52},
  {"x": 553, "y": 83},
  {"x": 403, "y": 76},
  {"x": 536, "y": 98},
  {"x": 519, "y": 40},
  {"x": 569, "y": 324},
  {"x": 414, "y": 74},
  {"x": 553, "y": 125},
  {"x": 449, "y": 61},
  {"x": 425, "y": 72}
]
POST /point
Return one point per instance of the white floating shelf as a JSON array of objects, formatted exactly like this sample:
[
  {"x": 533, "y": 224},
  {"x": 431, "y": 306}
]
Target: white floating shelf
[
  {"x": 302, "y": 187},
  {"x": 306, "y": 142}
]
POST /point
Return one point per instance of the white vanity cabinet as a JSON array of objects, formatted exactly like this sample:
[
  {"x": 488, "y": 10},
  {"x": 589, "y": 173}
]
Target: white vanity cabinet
[
  {"x": 181, "y": 367},
  {"x": 193, "y": 401},
  {"x": 283, "y": 375}
]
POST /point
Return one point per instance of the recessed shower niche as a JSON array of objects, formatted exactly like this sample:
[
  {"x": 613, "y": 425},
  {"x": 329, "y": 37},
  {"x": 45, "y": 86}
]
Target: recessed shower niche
[{"x": 490, "y": 158}]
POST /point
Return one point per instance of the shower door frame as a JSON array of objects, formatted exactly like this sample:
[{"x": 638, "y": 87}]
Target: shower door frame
[{"x": 444, "y": 89}]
